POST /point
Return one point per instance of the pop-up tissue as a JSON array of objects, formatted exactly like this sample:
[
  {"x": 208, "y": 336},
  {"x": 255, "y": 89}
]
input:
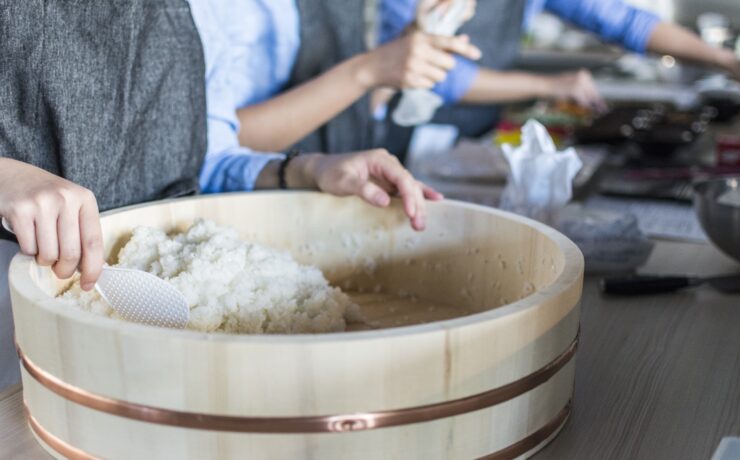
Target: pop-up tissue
[
  {"x": 541, "y": 185},
  {"x": 540, "y": 181}
]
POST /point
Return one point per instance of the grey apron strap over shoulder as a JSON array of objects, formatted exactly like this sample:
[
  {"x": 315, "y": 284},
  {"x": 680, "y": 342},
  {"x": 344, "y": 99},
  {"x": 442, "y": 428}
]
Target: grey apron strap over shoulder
[
  {"x": 333, "y": 31},
  {"x": 108, "y": 94},
  {"x": 497, "y": 30}
]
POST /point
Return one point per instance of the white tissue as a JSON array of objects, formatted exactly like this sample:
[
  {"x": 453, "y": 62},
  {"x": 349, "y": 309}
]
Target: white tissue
[
  {"x": 540, "y": 181},
  {"x": 418, "y": 106}
]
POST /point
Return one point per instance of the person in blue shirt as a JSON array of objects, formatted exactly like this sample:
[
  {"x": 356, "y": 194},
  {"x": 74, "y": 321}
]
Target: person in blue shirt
[
  {"x": 613, "y": 20},
  {"x": 254, "y": 109}
]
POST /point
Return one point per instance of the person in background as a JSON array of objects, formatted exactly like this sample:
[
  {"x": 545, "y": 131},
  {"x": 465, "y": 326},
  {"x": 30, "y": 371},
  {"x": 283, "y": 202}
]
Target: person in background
[
  {"x": 497, "y": 29},
  {"x": 295, "y": 74}
]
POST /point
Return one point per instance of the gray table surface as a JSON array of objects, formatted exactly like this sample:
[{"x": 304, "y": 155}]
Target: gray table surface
[{"x": 657, "y": 377}]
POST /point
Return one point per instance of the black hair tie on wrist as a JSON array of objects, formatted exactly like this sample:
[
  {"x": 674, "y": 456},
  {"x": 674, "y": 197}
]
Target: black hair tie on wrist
[{"x": 283, "y": 168}]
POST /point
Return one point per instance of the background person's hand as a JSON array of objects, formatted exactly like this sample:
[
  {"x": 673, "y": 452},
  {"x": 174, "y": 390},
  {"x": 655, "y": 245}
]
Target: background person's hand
[
  {"x": 54, "y": 220},
  {"x": 427, "y": 6},
  {"x": 416, "y": 60},
  {"x": 373, "y": 175},
  {"x": 734, "y": 69},
  {"x": 578, "y": 87},
  {"x": 730, "y": 62}
]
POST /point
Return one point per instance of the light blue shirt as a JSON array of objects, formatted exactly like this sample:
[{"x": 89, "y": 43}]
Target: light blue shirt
[
  {"x": 250, "y": 47},
  {"x": 613, "y": 20}
]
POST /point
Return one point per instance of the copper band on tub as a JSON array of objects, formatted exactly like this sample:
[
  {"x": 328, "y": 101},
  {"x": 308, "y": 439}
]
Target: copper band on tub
[
  {"x": 70, "y": 452},
  {"x": 513, "y": 451},
  {"x": 302, "y": 424},
  {"x": 520, "y": 448}
]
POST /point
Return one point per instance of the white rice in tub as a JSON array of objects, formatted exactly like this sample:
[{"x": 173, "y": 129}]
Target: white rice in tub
[{"x": 231, "y": 285}]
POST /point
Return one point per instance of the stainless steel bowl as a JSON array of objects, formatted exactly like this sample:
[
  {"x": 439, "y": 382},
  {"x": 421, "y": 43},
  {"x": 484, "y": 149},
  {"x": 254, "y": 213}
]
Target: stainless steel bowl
[{"x": 720, "y": 221}]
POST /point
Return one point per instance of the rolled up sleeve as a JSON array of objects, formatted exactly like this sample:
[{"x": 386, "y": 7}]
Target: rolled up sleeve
[
  {"x": 234, "y": 170},
  {"x": 458, "y": 82},
  {"x": 395, "y": 17},
  {"x": 613, "y": 20}
]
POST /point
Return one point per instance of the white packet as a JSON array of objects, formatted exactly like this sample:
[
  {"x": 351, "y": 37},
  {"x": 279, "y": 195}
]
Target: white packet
[
  {"x": 540, "y": 181},
  {"x": 418, "y": 106}
]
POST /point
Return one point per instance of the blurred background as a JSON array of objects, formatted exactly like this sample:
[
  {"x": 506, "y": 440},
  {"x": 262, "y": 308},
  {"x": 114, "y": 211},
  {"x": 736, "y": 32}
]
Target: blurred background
[
  {"x": 668, "y": 125},
  {"x": 718, "y": 22}
]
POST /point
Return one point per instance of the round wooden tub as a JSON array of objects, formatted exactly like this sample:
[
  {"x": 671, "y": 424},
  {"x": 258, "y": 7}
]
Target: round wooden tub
[{"x": 494, "y": 381}]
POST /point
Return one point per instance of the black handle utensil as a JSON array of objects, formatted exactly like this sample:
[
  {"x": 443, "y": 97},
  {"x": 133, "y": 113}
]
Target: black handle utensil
[{"x": 643, "y": 285}]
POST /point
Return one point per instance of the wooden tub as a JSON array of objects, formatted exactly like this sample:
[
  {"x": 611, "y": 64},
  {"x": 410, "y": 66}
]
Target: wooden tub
[{"x": 495, "y": 382}]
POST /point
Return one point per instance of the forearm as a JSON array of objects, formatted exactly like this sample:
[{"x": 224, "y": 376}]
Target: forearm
[
  {"x": 278, "y": 123},
  {"x": 681, "y": 43},
  {"x": 493, "y": 87},
  {"x": 300, "y": 174},
  {"x": 416, "y": 60}
]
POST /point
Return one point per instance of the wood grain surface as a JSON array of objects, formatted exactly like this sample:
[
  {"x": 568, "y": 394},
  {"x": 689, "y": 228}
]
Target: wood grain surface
[
  {"x": 16, "y": 441},
  {"x": 96, "y": 383},
  {"x": 657, "y": 377}
]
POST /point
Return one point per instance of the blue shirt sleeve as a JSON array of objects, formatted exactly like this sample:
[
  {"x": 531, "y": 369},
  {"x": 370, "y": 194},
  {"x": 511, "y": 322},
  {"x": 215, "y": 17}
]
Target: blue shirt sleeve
[
  {"x": 234, "y": 170},
  {"x": 250, "y": 47},
  {"x": 458, "y": 81},
  {"x": 612, "y": 20},
  {"x": 395, "y": 17}
]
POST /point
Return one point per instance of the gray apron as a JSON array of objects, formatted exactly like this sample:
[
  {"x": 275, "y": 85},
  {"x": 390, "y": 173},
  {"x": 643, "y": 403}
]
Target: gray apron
[
  {"x": 497, "y": 30},
  {"x": 333, "y": 31},
  {"x": 108, "y": 94}
]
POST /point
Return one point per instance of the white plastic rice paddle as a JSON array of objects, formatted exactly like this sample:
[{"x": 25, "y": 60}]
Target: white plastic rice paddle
[{"x": 140, "y": 297}]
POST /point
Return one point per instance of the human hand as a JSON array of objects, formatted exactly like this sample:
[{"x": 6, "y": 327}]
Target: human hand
[
  {"x": 373, "y": 175},
  {"x": 54, "y": 220},
  {"x": 730, "y": 62},
  {"x": 578, "y": 87},
  {"x": 734, "y": 69},
  {"x": 416, "y": 60}
]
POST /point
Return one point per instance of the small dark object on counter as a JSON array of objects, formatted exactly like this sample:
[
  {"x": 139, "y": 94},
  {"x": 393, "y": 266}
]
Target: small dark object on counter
[
  {"x": 723, "y": 95},
  {"x": 718, "y": 209},
  {"x": 664, "y": 183},
  {"x": 727, "y": 109},
  {"x": 643, "y": 285},
  {"x": 619, "y": 184},
  {"x": 657, "y": 129}
]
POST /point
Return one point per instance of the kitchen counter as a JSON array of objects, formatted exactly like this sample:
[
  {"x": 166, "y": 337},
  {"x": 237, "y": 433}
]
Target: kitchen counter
[{"x": 657, "y": 377}]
